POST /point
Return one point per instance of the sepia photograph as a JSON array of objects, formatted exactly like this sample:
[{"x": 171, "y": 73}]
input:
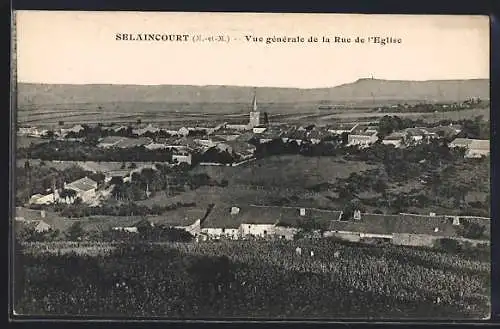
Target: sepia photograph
[{"x": 250, "y": 166}]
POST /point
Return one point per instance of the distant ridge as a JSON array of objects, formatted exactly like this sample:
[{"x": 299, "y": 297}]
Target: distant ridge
[{"x": 361, "y": 90}]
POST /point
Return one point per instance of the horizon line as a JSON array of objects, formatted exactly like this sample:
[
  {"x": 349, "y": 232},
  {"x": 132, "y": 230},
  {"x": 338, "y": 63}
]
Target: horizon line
[{"x": 244, "y": 85}]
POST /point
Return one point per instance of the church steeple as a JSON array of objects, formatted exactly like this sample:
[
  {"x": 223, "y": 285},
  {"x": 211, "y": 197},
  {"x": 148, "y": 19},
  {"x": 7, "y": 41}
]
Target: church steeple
[
  {"x": 254, "y": 113},
  {"x": 254, "y": 103}
]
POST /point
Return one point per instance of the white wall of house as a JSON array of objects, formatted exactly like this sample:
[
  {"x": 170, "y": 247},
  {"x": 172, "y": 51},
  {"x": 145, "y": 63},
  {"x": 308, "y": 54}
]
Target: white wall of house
[
  {"x": 259, "y": 130},
  {"x": 130, "y": 229},
  {"x": 362, "y": 139},
  {"x": 87, "y": 196},
  {"x": 260, "y": 230},
  {"x": 395, "y": 142},
  {"x": 182, "y": 158},
  {"x": 229, "y": 233},
  {"x": 476, "y": 153}
]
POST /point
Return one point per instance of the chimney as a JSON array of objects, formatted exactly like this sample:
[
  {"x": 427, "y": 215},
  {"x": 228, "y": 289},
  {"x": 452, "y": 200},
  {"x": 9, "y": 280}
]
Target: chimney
[
  {"x": 357, "y": 214},
  {"x": 302, "y": 211},
  {"x": 436, "y": 230},
  {"x": 235, "y": 210},
  {"x": 456, "y": 220},
  {"x": 42, "y": 213},
  {"x": 432, "y": 214}
]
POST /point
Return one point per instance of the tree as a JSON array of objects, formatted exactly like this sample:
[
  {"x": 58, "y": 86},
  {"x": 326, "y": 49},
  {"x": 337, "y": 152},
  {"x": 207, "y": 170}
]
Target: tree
[
  {"x": 345, "y": 138},
  {"x": 68, "y": 194},
  {"x": 472, "y": 230},
  {"x": 49, "y": 134},
  {"x": 75, "y": 232}
]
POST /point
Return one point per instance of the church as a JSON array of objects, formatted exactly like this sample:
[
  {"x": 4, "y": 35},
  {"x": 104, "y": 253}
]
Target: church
[{"x": 257, "y": 122}]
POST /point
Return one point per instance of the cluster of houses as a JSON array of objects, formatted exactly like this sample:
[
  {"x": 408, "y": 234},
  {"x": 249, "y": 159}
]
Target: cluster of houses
[
  {"x": 239, "y": 222},
  {"x": 234, "y": 137},
  {"x": 273, "y": 222},
  {"x": 83, "y": 188},
  {"x": 86, "y": 189},
  {"x": 475, "y": 148}
]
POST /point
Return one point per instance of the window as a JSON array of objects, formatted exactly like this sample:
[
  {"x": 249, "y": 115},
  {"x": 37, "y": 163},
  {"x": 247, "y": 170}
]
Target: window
[
  {"x": 265, "y": 232},
  {"x": 223, "y": 230}
]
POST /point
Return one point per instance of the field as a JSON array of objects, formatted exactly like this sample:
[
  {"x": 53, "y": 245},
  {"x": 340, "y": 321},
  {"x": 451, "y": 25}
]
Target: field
[
  {"x": 178, "y": 115},
  {"x": 288, "y": 171},
  {"x": 256, "y": 279},
  {"x": 268, "y": 181}
]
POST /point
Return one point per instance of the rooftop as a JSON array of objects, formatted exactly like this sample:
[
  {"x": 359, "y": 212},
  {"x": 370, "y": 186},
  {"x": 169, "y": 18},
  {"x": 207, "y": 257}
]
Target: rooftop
[
  {"x": 83, "y": 184},
  {"x": 481, "y": 144},
  {"x": 111, "y": 140},
  {"x": 395, "y": 136},
  {"x": 363, "y": 133},
  {"x": 402, "y": 223},
  {"x": 221, "y": 217}
]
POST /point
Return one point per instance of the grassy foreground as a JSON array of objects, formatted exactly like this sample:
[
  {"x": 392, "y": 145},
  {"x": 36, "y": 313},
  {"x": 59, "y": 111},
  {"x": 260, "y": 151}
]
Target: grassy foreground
[{"x": 256, "y": 279}]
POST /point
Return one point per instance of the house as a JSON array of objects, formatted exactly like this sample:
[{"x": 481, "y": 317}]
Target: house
[
  {"x": 364, "y": 139},
  {"x": 259, "y": 129},
  {"x": 182, "y": 156},
  {"x": 133, "y": 142},
  {"x": 128, "y": 229},
  {"x": 295, "y": 134},
  {"x": 208, "y": 143},
  {"x": 263, "y": 221},
  {"x": 75, "y": 129},
  {"x": 401, "y": 229},
  {"x": 109, "y": 141},
  {"x": 316, "y": 135},
  {"x": 183, "y": 131},
  {"x": 475, "y": 148},
  {"x": 414, "y": 135},
  {"x": 445, "y": 131},
  {"x": 341, "y": 128},
  {"x": 40, "y": 199},
  {"x": 31, "y": 132},
  {"x": 38, "y": 226},
  {"x": 238, "y": 127},
  {"x": 396, "y": 139},
  {"x": 225, "y": 137},
  {"x": 243, "y": 149},
  {"x": 148, "y": 129},
  {"x": 85, "y": 189},
  {"x": 156, "y": 146},
  {"x": 120, "y": 128},
  {"x": 419, "y": 135},
  {"x": 121, "y": 173}
]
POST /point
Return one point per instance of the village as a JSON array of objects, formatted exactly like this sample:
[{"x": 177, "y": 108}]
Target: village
[{"x": 237, "y": 144}]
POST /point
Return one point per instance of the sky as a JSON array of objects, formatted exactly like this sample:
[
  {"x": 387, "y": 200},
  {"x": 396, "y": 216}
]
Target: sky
[{"x": 81, "y": 48}]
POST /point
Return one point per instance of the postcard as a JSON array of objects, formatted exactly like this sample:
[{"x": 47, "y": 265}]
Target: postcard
[{"x": 250, "y": 166}]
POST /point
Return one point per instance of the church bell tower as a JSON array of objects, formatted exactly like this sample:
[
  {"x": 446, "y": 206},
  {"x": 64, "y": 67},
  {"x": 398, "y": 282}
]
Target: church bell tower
[{"x": 254, "y": 113}]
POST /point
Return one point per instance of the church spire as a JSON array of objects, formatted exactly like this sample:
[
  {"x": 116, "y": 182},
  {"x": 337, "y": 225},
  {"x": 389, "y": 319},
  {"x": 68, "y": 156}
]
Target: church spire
[{"x": 254, "y": 103}]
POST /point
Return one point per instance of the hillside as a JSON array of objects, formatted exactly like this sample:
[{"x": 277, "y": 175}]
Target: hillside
[{"x": 360, "y": 91}]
